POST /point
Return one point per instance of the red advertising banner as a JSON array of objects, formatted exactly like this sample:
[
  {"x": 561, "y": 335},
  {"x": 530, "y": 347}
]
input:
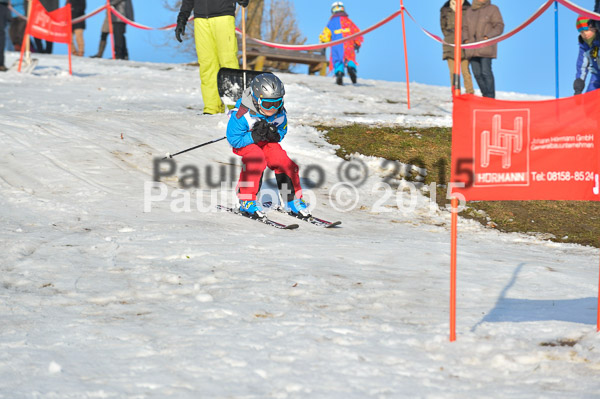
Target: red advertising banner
[
  {"x": 527, "y": 150},
  {"x": 52, "y": 26}
]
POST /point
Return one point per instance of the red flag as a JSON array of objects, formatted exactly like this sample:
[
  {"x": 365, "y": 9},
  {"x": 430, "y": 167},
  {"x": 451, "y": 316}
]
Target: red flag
[
  {"x": 521, "y": 150},
  {"x": 52, "y": 26}
]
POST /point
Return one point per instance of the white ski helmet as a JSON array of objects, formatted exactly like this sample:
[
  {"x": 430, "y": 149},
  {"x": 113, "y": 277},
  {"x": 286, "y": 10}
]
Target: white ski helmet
[{"x": 337, "y": 7}]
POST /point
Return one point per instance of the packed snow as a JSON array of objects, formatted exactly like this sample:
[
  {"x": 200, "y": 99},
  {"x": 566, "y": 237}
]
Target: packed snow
[{"x": 113, "y": 286}]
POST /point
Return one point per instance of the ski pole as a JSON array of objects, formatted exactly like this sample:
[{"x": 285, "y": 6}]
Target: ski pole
[{"x": 193, "y": 148}]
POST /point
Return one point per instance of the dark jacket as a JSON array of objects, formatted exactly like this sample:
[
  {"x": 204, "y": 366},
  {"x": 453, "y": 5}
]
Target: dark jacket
[
  {"x": 447, "y": 17},
  {"x": 480, "y": 22},
  {"x": 208, "y": 8},
  {"x": 77, "y": 10},
  {"x": 50, "y": 5},
  {"x": 124, "y": 7}
]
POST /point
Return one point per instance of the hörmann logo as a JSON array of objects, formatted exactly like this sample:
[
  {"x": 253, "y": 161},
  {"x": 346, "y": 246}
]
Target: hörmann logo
[{"x": 501, "y": 147}]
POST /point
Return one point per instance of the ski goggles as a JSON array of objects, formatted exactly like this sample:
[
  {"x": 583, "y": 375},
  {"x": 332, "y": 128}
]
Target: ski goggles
[{"x": 270, "y": 103}]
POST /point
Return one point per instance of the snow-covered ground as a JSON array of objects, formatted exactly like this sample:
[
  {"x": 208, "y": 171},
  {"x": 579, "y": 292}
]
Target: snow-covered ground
[{"x": 99, "y": 299}]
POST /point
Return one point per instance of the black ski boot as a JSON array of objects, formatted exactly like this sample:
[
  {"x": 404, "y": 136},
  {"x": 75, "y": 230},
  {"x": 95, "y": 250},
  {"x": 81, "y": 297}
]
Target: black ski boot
[
  {"x": 352, "y": 73},
  {"x": 339, "y": 76}
]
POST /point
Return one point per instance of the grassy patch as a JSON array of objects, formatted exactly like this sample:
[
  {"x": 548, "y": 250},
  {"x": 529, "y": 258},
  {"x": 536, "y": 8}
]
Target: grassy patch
[{"x": 430, "y": 148}]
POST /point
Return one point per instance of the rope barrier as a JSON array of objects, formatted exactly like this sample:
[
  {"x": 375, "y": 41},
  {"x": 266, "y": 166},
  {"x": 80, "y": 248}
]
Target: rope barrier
[
  {"x": 86, "y": 16},
  {"x": 10, "y": 7},
  {"x": 579, "y": 10},
  {"x": 100, "y": 9},
  {"x": 140, "y": 26},
  {"x": 323, "y": 45},
  {"x": 491, "y": 41},
  {"x": 567, "y": 3}
]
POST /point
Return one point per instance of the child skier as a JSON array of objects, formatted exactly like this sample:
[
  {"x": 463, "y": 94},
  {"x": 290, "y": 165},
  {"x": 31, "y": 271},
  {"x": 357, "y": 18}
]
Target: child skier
[
  {"x": 256, "y": 126},
  {"x": 587, "y": 60},
  {"x": 341, "y": 55}
]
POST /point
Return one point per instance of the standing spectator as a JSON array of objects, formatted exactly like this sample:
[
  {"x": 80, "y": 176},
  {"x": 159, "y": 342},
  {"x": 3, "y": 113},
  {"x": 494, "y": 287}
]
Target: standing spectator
[
  {"x": 4, "y": 16},
  {"x": 78, "y": 10},
  {"x": 103, "y": 37},
  {"x": 125, "y": 8},
  {"x": 104, "y": 32},
  {"x": 49, "y": 5},
  {"x": 216, "y": 44},
  {"x": 587, "y": 59},
  {"x": 447, "y": 17},
  {"x": 341, "y": 55},
  {"x": 483, "y": 21}
]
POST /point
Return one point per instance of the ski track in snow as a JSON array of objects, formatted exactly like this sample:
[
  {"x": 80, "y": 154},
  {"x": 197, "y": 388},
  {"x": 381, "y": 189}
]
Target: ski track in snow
[{"x": 99, "y": 299}]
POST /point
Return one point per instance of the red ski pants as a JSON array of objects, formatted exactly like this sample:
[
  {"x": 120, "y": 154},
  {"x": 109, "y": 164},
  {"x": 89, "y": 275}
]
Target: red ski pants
[{"x": 255, "y": 158}]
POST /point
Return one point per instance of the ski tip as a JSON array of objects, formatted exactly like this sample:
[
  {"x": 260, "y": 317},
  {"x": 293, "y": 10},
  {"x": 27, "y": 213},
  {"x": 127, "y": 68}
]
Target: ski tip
[
  {"x": 291, "y": 227},
  {"x": 334, "y": 224}
]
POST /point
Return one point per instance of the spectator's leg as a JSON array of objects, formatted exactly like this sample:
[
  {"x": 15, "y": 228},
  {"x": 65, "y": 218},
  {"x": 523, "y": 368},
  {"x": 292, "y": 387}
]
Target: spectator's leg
[
  {"x": 468, "y": 81},
  {"x": 17, "y": 30},
  {"x": 7, "y": 39},
  {"x": 38, "y": 45},
  {"x": 488, "y": 78},
  {"x": 119, "y": 35},
  {"x": 475, "y": 64},
  {"x": 227, "y": 48},
  {"x": 208, "y": 60},
  {"x": 451, "y": 69},
  {"x": 125, "y": 51},
  {"x": 78, "y": 37},
  {"x": 3, "y": 19},
  {"x": 101, "y": 45}
]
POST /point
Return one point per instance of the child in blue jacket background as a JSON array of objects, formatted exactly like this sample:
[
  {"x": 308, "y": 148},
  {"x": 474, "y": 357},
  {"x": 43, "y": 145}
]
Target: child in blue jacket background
[
  {"x": 587, "y": 59},
  {"x": 341, "y": 55}
]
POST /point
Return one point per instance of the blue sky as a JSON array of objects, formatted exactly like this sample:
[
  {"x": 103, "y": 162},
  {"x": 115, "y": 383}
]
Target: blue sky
[{"x": 525, "y": 64}]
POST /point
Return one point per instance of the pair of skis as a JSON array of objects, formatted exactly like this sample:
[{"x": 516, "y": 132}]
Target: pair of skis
[{"x": 310, "y": 219}]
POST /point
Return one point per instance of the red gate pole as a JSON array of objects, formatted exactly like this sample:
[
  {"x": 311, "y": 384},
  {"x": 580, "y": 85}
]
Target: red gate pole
[
  {"x": 70, "y": 45},
  {"x": 110, "y": 28},
  {"x": 453, "y": 235},
  {"x": 457, "y": 49},
  {"x": 405, "y": 54},
  {"x": 454, "y": 202}
]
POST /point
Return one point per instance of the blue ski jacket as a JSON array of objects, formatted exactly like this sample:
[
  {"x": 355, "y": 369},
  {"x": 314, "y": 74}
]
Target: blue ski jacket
[
  {"x": 243, "y": 117},
  {"x": 588, "y": 59}
]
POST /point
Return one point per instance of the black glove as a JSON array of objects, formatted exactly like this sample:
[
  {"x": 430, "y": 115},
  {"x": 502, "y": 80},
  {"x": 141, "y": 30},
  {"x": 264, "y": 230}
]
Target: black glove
[
  {"x": 578, "y": 86},
  {"x": 265, "y": 131},
  {"x": 356, "y": 47},
  {"x": 181, "y": 22},
  {"x": 243, "y": 3},
  {"x": 273, "y": 135}
]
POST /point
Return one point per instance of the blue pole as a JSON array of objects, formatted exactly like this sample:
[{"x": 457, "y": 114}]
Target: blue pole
[{"x": 556, "y": 43}]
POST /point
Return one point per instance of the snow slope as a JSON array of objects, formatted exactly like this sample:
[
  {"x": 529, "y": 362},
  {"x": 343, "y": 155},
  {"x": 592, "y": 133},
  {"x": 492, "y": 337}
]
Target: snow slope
[{"x": 99, "y": 299}]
